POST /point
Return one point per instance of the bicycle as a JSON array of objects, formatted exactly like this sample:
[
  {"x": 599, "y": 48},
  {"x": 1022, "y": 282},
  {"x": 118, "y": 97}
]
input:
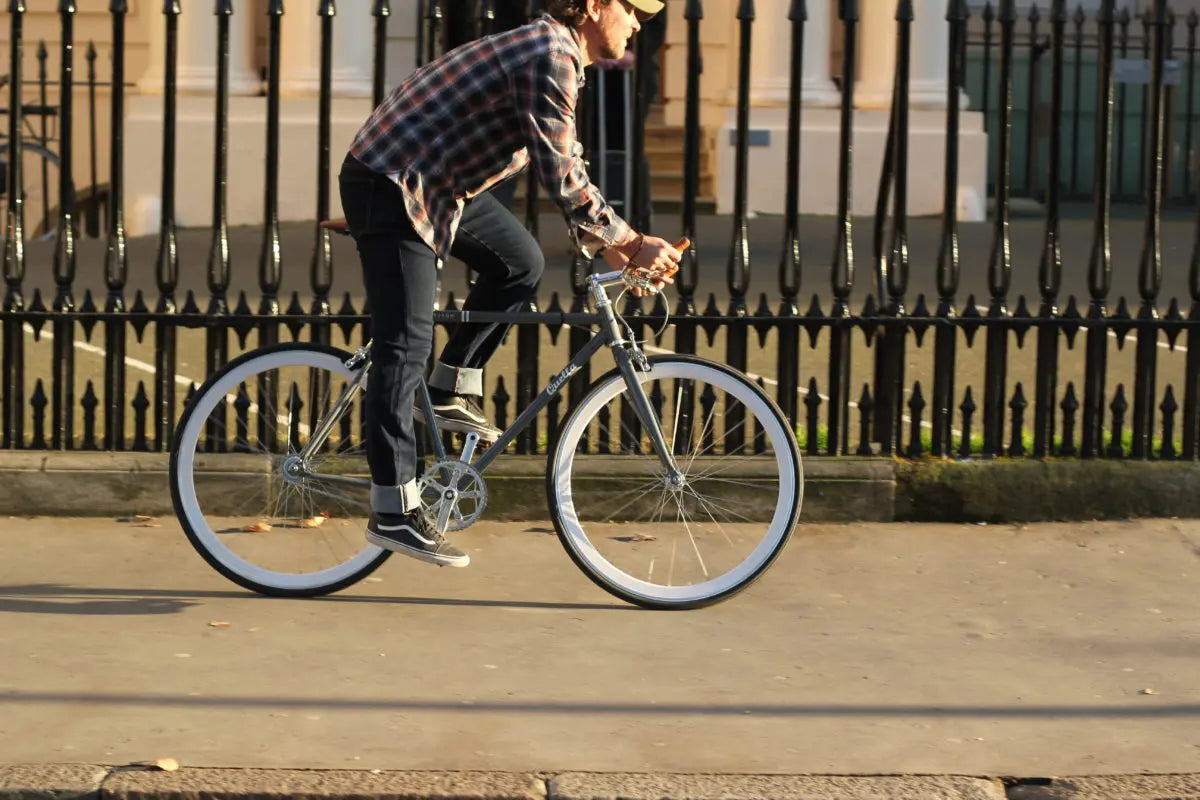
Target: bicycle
[
  {"x": 39, "y": 165},
  {"x": 638, "y": 482}
]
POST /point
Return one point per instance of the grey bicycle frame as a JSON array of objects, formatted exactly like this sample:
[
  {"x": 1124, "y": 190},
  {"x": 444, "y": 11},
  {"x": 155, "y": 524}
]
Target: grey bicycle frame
[{"x": 609, "y": 334}]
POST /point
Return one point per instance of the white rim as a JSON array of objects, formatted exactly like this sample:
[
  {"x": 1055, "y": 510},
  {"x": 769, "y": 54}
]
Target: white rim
[
  {"x": 185, "y": 461},
  {"x": 779, "y": 526}
]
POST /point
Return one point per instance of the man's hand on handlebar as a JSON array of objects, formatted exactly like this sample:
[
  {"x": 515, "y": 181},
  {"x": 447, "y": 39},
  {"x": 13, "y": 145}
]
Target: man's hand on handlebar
[{"x": 650, "y": 265}]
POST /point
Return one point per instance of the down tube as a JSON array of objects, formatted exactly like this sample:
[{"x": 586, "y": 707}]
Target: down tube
[{"x": 554, "y": 387}]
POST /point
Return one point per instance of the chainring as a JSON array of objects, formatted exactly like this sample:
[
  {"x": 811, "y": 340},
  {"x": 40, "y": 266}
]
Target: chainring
[{"x": 453, "y": 494}]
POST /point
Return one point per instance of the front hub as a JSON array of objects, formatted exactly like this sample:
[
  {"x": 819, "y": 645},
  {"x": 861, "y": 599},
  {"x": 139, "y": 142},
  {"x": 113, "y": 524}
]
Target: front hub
[{"x": 292, "y": 469}]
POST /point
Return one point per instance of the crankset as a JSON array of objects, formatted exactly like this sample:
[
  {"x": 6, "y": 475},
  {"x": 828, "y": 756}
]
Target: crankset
[{"x": 453, "y": 494}]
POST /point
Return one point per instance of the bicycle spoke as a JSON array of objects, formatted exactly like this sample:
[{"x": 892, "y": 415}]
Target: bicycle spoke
[
  {"x": 239, "y": 498},
  {"x": 611, "y": 496},
  {"x": 712, "y": 446},
  {"x": 679, "y": 515},
  {"x": 703, "y": 431},
  {"x": 692, "y": 538},
  {"x": 675, "y": 421},
  {"x": 708, "y": 478},
  {"x": 750, "y": 485},
  {"x": 345, "y": 501},
  {"x": 612, "y": 514},
  {"x": 716, "y": 470},
  {"x": 252, "y": 411},
  {"x": 662, "y": 507},
  {"x": 705, "y": 504},
  {"x": 283, "y": 502},
  {"x": 726, "y": 506}
]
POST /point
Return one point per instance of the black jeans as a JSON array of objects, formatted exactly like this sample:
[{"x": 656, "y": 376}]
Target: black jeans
[{"x": 400, "y": 275}]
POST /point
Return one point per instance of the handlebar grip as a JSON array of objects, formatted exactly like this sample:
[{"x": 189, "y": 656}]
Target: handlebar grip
[
  {"x": 644, "y": 281},
  {"x": 683, "y": 243}
]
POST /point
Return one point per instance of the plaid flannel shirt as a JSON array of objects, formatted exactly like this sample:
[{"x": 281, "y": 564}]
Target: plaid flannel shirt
[{"x": 479, "y": 114}]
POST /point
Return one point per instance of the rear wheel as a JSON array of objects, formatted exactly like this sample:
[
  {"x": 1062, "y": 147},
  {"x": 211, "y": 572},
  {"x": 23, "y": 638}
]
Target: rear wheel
[
  {"x": 260, "y": 514},
  {"x": 662, "y": 543}
]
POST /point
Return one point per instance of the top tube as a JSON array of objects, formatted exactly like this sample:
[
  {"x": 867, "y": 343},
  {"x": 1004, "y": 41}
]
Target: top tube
[
  {"x": 545, "y": 317},
  {"x": 491, "y": 317}
]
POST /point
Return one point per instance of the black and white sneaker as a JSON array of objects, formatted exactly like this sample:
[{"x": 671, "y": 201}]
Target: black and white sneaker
[
  {"x": 412, "y": 535},
  {"x": 458, "y": 413}
]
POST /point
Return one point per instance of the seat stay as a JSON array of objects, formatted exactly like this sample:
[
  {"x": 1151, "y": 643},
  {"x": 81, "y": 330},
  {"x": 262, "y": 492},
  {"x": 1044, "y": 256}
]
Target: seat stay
[{"x": 327, "y": 423}]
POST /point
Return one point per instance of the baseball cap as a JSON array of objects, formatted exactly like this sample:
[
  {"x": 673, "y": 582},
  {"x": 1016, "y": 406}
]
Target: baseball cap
[{"x": 648, "y": 7}]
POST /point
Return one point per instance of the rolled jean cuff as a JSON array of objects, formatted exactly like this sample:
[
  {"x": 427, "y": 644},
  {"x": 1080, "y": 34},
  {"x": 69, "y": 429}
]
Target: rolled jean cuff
[
  {"x": 457, "y": 380},
  {"x": 395, "y": 499}
]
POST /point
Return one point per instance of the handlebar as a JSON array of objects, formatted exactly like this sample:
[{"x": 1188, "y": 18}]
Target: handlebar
[{"x": 608, "y": 278}]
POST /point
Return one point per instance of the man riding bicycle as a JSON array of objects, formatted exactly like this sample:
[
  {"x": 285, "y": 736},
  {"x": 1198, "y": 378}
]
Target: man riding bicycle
[{"x": 414, "y": 190}]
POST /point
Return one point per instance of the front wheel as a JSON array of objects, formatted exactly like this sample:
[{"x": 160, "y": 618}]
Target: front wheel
[
  {"x": 260, "y": 514},
  {"x": 664, "y": 544}
]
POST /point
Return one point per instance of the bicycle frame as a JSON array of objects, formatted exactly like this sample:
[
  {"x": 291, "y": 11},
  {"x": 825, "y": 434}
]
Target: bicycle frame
[{"x": 627, "y": 355}]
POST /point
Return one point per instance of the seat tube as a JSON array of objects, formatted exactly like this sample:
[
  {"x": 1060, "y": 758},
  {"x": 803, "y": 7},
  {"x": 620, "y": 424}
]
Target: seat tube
[{"x": 435, "y": 436}]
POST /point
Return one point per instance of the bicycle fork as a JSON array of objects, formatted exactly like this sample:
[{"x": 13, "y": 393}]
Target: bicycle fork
[{"x": 630, "y": 360}]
